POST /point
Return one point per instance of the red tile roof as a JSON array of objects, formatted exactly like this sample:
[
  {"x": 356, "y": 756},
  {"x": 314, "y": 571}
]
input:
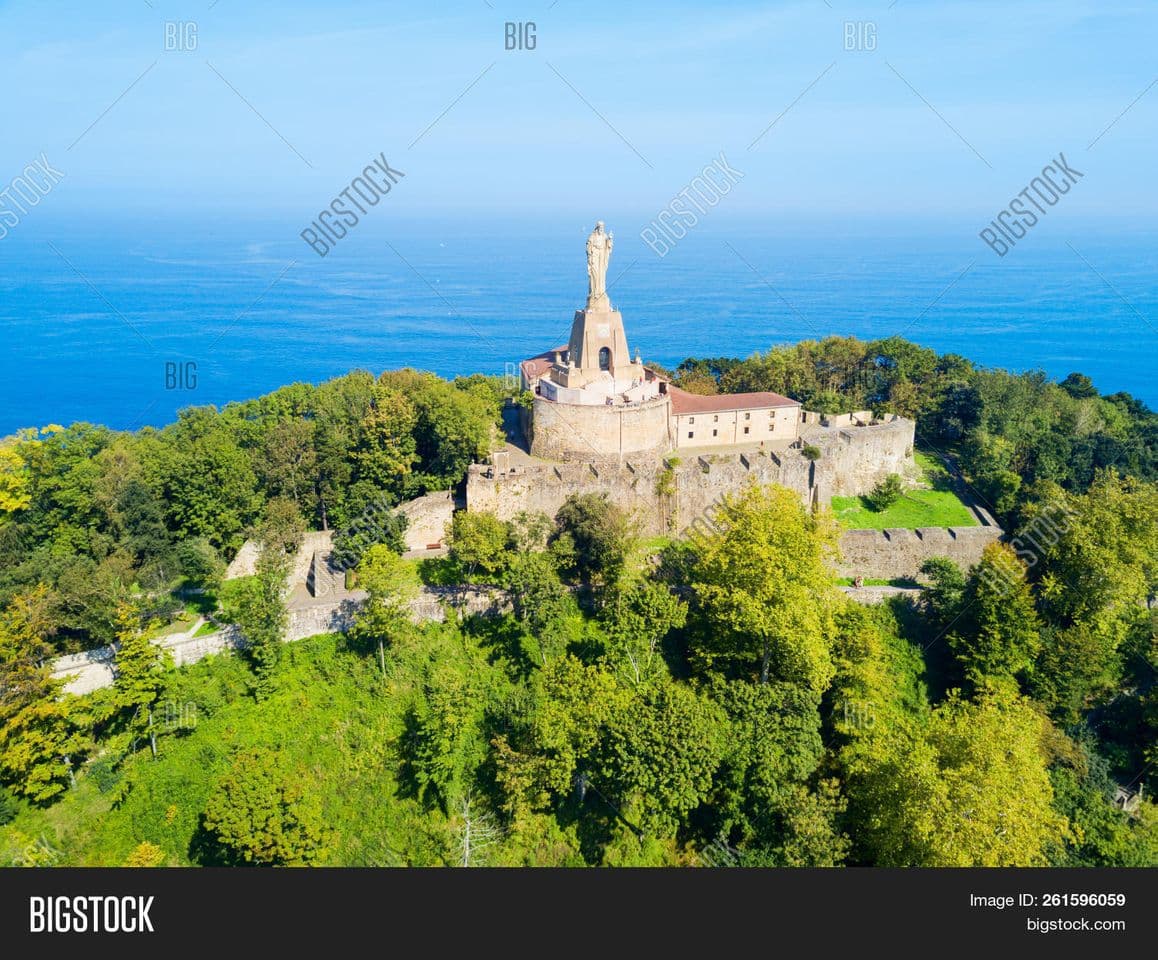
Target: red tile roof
[
  {"x": 537, "y": 366},
  {"x": 683, "y": 402}
]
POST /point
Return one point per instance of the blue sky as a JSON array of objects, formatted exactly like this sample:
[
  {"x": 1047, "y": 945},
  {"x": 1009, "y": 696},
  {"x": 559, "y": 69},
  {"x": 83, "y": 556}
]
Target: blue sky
[{"x": 615, "y": 110}]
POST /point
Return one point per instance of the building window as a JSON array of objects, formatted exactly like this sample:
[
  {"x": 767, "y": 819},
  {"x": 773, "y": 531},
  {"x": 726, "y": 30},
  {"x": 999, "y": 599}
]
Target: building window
[
  {"x": 746, "y": 429},
  {"x": 716, "y": 418},
  {"x": 714, "y": 432},
  {"x": 691, "y": 419},
  {"x": 747, "y": 416},
  {"x": 772, "y": 425},
  {"x": 604, "y": 358}
]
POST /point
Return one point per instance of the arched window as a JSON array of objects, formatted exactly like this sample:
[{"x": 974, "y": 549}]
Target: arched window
[{"x": 604, "y": 358}]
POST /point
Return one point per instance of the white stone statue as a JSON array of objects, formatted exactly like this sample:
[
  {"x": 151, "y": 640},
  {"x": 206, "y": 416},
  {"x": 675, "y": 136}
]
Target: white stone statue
[{"x": 598, "y": 258}]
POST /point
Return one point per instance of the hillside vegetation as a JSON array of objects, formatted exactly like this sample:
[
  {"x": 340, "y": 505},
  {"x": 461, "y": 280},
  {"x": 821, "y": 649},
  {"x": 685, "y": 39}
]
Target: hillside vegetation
[{"x": 712, "y": 702}]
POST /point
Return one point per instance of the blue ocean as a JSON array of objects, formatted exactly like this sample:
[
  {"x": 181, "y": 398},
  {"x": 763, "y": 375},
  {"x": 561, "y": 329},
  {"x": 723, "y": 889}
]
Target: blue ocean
[{"x": 124, "y": 323}]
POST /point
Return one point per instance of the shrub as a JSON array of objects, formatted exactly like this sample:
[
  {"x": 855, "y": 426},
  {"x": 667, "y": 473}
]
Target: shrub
[
  {"x": 8, "y": 807},
  {"x": 263, "y": 811},
  {"x": 885, "y": 493},
  {"x": 146, "y": 854},
  {"x": 104, "y": 774}
]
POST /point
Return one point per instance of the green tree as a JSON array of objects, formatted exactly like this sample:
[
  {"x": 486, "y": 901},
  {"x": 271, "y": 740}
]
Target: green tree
[
  {"x": 480, "y": 545},
  {"x": 456, "y": 425},
  {"x": 542, "y": 603},
  {"x": 637, "y": 620},
  {"x": 341, "y": 408},
  {"x": 257, "y": 605},
  {"x": 40, "y": 742},
  {"x": 969, "y": 788},
  {"x": 593, "y": 538},
  {"x": 205, "y": 478},
  {"x": 810, "y": 837},
  {"x": 25, "y": 668},
  {"x": 15, "y": 493},
  {"x": 1100, "y": 548},
  {"x": 140, "y": 675},
  {"x": 765, "y": 589},
  {"x": 391, "y": 583},
  {"x": 266, "y": 813},
  {"x": 1103, "y": 835},
  {"x": 774, "y": 748},
  {"x": 387, "y": 452},
  {"x": 943, "y": 594},
  {"x": 572, "y": 704},
  {"x": 886, "y": 493},
  {"x": 41, "y": 746},
  {"x": 449, "y": 742},
  {"x": 200, "y": 563},
  {"x": 288, "y": 464},
  {"x": 1078, "y": 665},
  {"x": 658, "y": 755},
  {"x": 1078, "y": 385},
  {"x": 1098, "y": 569},
  {"x": 282, "y": 527},
  {"x": 998, "y": 633}
]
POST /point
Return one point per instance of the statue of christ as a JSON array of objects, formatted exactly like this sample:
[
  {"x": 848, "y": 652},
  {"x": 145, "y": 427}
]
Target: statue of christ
[{"x": 598, "y": 257}]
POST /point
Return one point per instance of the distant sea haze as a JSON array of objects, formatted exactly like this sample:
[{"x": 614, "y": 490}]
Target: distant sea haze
[{"x": 127, "y": 328}]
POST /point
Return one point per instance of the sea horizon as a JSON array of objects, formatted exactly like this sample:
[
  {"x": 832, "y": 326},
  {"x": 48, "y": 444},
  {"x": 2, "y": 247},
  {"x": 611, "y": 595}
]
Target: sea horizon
[{"x": 98, "y": 317}]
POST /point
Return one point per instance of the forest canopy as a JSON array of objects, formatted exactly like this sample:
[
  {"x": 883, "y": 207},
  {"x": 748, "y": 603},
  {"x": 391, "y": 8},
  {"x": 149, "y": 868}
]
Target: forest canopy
[{"x": 631, "y": 701}]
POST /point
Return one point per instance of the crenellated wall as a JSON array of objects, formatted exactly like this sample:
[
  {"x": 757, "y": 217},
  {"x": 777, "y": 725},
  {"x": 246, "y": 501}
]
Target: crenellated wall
[
  {"x": 892, "y": 554},
  {"x": 853, "y": 459},
  {"x": 855, "y": 455}
]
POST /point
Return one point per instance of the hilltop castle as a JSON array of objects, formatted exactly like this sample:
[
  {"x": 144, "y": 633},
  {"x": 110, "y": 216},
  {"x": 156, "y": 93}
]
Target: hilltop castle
[
  {"x": 592, "y": 400},
  {"x": 600, "y": 420}
]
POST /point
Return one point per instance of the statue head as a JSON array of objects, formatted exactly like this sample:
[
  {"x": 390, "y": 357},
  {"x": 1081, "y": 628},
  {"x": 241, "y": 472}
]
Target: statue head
[{"x": 598, "y": 226}]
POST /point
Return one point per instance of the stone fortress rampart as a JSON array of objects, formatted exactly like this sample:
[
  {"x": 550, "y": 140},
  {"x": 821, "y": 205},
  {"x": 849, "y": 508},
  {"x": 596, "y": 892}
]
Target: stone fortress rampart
[
  {"x": 564, "y": 431},
  {"x": 668, "y": 494},
  {"x": 898, "y": 554}
]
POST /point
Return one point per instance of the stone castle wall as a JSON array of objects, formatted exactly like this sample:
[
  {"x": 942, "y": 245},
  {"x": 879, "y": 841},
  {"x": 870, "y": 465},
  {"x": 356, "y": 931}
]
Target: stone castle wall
[
  {"x": 668, "y": 500},
  {"x": 428, "y": 517},
  {"x": 890, "y": 554},
  {"x": 564, "y": 431},
  {"x": 314, "y": 541},
  {"x": 852, "y": 461}
]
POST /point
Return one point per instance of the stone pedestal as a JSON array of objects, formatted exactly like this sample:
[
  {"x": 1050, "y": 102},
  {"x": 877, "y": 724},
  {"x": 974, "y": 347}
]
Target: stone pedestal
[{"x": 598, "y": 346}]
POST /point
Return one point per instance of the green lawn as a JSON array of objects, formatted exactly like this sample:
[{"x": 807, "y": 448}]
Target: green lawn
[{"x": 936, "y": 505}]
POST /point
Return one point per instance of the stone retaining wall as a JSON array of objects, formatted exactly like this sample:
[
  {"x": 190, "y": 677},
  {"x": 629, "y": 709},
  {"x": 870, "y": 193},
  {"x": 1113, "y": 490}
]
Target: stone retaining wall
[
  {"x": 94, "y": 669},
  {"x": 892, "y": 554}
]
